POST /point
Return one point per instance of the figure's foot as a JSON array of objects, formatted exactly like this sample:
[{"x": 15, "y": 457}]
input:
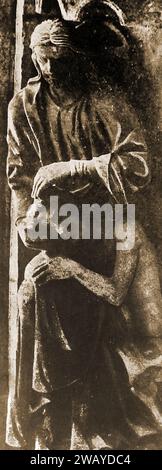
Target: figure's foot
[
  {"x": 45, "y": 434},
  {"x": 40, "y": 444},
  {"x": 111, "y": 441},
  {"x": 52, "y": 432}
]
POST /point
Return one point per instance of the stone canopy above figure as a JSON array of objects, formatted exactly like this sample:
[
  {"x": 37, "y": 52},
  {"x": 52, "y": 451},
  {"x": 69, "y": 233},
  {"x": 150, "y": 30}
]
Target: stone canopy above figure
[
  {"x": 81, "y": 10},
  {"x": 100, "y": 27}
]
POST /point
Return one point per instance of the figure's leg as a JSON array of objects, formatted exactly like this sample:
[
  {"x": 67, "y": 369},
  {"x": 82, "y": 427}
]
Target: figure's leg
[
  {"x": 81, "y": 330},
  {"x": 51, "y": 422},
  {"x": 41, "y": 362}
]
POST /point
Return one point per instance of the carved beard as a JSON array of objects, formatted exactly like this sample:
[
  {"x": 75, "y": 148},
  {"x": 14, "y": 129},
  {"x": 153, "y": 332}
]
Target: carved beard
[{"x": 70, "y": 75}]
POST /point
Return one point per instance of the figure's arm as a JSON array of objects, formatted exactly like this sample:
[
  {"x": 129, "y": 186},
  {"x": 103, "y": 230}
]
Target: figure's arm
[
  {"x": 124, "y": 168},
  {"x": 114, "y": 289},
  {"x": 63, "y": 174}
]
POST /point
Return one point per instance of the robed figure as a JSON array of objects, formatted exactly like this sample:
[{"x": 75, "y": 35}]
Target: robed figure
[{"x": 73, "y": 134}]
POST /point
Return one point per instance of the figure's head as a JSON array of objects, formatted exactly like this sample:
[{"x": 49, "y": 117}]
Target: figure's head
[
  {"x": 54, "y": 52},
  {"x": 75, "y": 56}
]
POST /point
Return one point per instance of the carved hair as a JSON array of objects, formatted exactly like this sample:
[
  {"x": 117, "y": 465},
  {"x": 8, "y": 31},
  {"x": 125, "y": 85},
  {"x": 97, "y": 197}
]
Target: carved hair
[{"x": 54, "y": 32}]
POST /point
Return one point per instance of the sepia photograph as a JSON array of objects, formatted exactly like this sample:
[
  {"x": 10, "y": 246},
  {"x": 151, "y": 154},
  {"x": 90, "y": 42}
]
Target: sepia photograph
[{"x": 81, "y": 229}]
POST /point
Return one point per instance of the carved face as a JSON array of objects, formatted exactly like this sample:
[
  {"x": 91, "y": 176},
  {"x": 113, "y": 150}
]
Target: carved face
[{"x": 55, "y": 62}]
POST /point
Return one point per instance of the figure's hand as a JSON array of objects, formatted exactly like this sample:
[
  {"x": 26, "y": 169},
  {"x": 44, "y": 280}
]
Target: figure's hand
[
  {"x": 49, "y": 175},
  {"x": 54, "y": 269}
]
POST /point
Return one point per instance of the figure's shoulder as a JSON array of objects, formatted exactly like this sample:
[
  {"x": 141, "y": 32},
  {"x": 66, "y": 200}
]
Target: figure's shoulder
[
  {"x": 16, "y": 112},
  {"x": 112, "y": 99},
  {"x": 108, "y": 93},
  {"x": 17, "y": 103}
]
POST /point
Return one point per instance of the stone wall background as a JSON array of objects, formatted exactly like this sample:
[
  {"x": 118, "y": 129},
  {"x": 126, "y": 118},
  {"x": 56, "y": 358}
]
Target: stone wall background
[
  {"x": 144, "y": 20},
  {"x": 7, "y": 47}
]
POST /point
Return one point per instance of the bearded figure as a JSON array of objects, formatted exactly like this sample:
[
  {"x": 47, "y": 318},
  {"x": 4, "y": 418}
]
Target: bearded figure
[{"x": 73, "y": 134}]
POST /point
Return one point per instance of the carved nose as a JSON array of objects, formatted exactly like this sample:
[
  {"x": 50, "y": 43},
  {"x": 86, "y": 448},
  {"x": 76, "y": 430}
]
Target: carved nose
[
  {"x": 14, "y": 176},
  {"x": 12, "y": 173}
]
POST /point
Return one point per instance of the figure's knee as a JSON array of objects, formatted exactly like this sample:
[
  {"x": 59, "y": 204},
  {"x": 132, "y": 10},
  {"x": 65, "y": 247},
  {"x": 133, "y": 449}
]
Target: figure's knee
[{"x": 26, "y": 295}]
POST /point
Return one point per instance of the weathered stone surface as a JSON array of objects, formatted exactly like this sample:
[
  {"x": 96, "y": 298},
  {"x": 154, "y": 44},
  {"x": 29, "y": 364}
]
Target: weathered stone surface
[
  {"x": 7, "y": 40},
  {"x": 48, "y": 6},
  {"x": 146, "y": 28}
]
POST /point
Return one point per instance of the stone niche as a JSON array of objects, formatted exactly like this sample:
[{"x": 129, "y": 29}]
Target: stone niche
[{"x": 143, "y": 18}]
